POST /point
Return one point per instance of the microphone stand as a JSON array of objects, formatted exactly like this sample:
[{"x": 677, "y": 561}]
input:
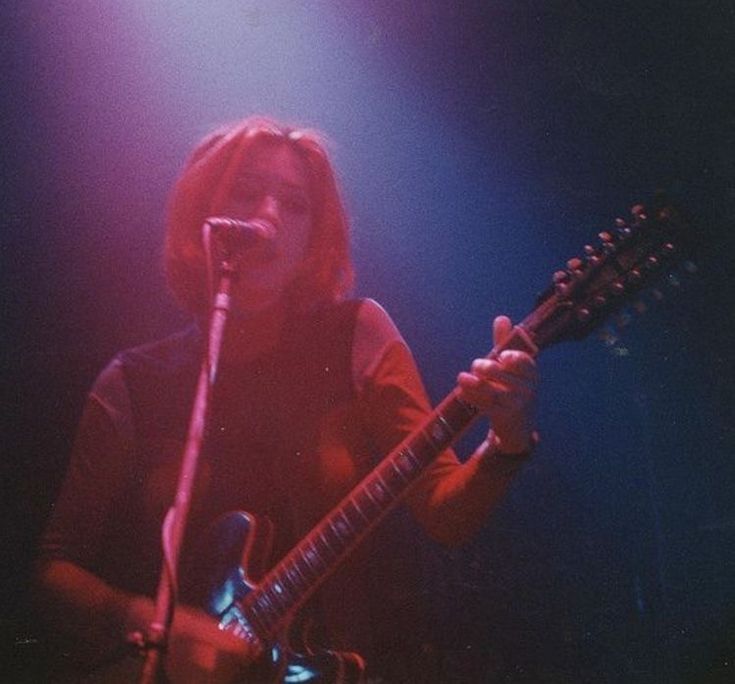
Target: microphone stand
[{"x": 155, "y": 642}]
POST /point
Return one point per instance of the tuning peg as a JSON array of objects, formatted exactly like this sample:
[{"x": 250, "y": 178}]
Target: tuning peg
[
  {"x": 623, "y": 318},
  {"x": 622, "y": 228},
  {"x": 639, "y": 211},
  {"x": 665, "y": 213},
  {"x": 668, "y": 249},
  {"x": 617, "y": 288},
  {"x": 608, "y": 247},
  {"x": 562, "y": 289},
  {"x": 609, "y": 336},
  {"x": 690, "y": 267},
  {"x": 575, "y": 264},
  {"x": 606, "y": 236},
  {"x": 583, "y": 314}
]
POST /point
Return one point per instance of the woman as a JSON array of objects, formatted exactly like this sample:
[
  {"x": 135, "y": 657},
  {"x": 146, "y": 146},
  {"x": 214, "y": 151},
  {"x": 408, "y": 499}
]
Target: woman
[{"x": 313, "y": 388}]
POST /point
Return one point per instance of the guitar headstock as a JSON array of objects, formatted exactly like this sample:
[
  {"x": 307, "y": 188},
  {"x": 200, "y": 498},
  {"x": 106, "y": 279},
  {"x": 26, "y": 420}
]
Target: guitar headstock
[{"x": 628, "y": 258}]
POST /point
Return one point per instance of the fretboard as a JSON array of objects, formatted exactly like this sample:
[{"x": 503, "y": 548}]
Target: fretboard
[{"x": 295, "y": 578}]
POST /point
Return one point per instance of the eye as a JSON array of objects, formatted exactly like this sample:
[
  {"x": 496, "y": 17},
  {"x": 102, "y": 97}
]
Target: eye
[
  {"x": 250, "y": 192},
  {"x": 295, "y": 203},
  {"x": 247, "y": 187}
]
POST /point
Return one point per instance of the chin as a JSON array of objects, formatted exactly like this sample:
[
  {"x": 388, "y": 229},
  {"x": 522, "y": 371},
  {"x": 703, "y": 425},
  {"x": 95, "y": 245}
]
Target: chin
[{"x": 254, "y": 305}]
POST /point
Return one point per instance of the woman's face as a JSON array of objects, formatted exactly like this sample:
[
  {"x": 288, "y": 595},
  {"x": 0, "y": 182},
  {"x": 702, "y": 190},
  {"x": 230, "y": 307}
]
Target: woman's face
[{"x": 271, "y": 187}]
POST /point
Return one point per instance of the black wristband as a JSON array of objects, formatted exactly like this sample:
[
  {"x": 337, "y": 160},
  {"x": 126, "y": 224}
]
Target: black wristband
[{"x": 506, "y": 464}]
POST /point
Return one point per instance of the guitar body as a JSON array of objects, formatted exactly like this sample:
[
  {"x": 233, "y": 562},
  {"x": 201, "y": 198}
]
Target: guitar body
[
  {"x": 257, "y": 606},
  {"x": 236, "y": 549}
]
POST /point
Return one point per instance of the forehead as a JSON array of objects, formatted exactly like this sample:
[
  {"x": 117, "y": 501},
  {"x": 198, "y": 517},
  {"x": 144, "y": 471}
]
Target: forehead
[{"x": 276, "y": 161}]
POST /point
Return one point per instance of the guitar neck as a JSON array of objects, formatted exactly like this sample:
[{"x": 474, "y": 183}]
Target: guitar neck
[
  {"x": 295, "y": 578},
  {"x": 577, "y": 301}
]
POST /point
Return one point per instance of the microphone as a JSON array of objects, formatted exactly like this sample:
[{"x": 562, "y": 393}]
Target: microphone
[
  {"x": 234, "y": 235},
  {"x": 254, "y": 230}
]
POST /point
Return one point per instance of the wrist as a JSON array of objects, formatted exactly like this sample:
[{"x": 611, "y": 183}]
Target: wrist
[
  {"x": 520, "y": 447},
  {"x": 137, "y": 614},
  {"x": 496, "y": 458}
]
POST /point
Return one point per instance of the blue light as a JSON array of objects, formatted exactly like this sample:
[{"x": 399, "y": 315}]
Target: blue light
[{"x": 299, "y": 673}]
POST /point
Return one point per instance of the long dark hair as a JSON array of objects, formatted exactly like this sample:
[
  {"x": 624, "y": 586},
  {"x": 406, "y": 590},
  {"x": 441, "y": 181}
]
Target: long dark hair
[{"x": 326, "y": 273}]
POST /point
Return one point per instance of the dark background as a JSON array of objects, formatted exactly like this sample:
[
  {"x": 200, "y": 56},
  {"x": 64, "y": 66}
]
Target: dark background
[{"x": 480, "y": 144}]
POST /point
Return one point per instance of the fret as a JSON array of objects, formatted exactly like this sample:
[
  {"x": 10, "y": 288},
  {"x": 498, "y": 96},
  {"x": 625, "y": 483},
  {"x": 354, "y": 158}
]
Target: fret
[
  {"x": 280, "y": 589},
  {"x": 433, "y": 438},
  {"x": 341, "y": 527},
  {"x": 354, "y": 515},
  {"x": 305, "y": 570},
  {"x": 325, "y": 549},
  {"x": 241, "y": 625},
  {"x": 275, "y": 599},
  {"x": 289, "y": 588},
  {"x": 440, "y": 432},
  {"x": 408, "y": 462},
  {"x": 387, "y": 477},
  {"x": 332, "y": 538},
  {"x": 367, "y": 505},
  {"x": 452, "y": 431},
  {"x": 300, "y": 581},
  {"x": 300, "y": 567},
  {"x": 353, "y": 518},
  {"x": 258, "y": 615},
  {"x": 397, "y": 470},
  {"x": 239, "y": 631},
  {"x": 264, "y": 601},
  {"x": 457, "y": 413},
  {"x": 369, "y": 494},
  {"x": 393, "y": 479},
  {"x": 422, "y": 443},
  {"x": 461, "y": 412},
  {"x": 378, "y": 487},
  {"x": 312, "y": 558}
]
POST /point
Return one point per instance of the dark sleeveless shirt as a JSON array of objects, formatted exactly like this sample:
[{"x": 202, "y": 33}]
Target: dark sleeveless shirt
[{"x": 291, "y": 433}]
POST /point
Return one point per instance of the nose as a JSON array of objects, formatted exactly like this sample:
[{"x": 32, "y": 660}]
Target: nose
[{"x": 269, "y": 208}]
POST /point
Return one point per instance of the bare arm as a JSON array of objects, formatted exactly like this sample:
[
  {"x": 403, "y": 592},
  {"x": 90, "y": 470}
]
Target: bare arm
[
  {"x": 100, "y": 618},
  {"x": 451, "y": 500},
  {"x": 91, "y": 617}
]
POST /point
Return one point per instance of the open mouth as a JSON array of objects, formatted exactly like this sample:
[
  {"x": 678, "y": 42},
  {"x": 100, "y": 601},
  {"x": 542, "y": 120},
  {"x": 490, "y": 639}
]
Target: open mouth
[{"x": 245, "y": 244}]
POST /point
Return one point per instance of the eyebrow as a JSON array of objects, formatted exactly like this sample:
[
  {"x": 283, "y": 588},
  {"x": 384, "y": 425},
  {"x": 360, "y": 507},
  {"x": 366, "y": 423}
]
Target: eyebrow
[{"x": 250, "y": 176}]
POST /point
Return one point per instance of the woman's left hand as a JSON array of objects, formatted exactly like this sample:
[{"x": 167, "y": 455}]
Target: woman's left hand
[{"x": 505, "y": 390}]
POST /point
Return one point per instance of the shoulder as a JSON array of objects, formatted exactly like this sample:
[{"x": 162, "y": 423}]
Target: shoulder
[
  {"x": 374, "y": 328},
  {"x": 370, "y": 325},
  {"x": 373, "y": 320},
  {"x": 357, "y": 321},
  {"x": 377, "y": 343},
  {"x": 168, "y": 353},
  {"x": 156, "y": 359}
]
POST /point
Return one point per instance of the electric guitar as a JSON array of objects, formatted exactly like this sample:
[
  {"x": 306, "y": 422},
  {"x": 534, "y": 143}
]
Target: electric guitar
[{"x": 581, "y": 296}]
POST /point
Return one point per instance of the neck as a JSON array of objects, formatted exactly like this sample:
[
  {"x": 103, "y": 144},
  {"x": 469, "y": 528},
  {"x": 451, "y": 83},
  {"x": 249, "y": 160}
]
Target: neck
[{"x": 252, "y": 335}]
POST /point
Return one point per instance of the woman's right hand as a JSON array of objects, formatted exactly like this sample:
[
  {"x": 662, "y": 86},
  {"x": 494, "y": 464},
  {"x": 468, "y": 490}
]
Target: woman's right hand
[{"x": 199, "y": 651}]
